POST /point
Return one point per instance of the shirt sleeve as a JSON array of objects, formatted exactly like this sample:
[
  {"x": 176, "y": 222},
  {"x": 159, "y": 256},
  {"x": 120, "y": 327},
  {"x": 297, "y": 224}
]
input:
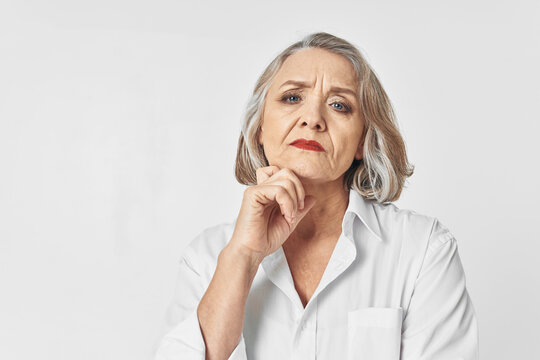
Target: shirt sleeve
[
  {"x": 185, "y": 341},
  {"x": 441, "y": 321}
]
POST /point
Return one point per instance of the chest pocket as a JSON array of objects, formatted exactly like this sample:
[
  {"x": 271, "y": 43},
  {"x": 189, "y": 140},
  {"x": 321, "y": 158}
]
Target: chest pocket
[{"x": 374, "y": 333}]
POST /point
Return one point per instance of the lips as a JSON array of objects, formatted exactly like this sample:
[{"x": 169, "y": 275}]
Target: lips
[{"x": 307, "y": 144}]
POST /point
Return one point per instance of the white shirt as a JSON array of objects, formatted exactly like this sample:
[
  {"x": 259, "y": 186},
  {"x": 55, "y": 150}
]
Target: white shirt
[{"x": 394, "y": 288}]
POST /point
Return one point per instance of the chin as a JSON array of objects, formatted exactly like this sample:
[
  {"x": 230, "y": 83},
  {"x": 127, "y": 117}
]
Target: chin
[
  {"x": 303, "y": 169},
  {"x": 306, "y": 171}
]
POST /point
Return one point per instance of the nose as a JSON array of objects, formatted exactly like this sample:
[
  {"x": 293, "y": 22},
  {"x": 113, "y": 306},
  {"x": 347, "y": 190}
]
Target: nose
[{"x": 312, "y": 115}]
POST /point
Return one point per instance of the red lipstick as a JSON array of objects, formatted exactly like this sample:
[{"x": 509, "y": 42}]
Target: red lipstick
[{"x": 307, "y": 145}]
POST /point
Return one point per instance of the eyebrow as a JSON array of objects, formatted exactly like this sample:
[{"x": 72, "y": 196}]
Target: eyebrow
[{"x": 302, "y": 84}]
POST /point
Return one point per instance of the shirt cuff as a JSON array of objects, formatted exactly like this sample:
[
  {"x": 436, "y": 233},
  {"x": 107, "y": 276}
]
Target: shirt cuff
[{"x": 185, "y": 341}]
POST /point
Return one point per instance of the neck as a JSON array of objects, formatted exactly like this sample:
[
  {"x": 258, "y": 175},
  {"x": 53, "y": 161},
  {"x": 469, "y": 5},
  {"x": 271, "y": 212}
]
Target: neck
[{"x": 325, "y": 218}]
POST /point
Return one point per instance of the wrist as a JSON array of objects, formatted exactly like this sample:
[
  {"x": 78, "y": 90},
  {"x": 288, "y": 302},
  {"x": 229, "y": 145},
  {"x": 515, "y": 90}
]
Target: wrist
[{"x": 242, "y": 255}]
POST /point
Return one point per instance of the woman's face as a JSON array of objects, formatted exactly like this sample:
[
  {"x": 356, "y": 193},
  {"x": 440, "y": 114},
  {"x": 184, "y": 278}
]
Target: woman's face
[{"x": 314, "y": 111}]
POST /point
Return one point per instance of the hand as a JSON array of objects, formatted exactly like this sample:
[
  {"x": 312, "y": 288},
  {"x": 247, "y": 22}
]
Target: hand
[{"x": 270, "y": 211}]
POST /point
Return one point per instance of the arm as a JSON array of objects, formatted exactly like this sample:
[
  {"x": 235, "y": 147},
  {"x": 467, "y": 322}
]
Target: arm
[
  {"x": 441, "y": 320},
  {"x": 222, "y": 308},
  {"x": 208, "y": 325}
]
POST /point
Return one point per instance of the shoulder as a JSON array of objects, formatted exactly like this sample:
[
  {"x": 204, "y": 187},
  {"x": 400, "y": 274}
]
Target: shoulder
[
  {"x": 412, "y": 227},
  {"x": 212, "y": 239},
  {"x": 203, "y": 250},
  {"x": 417, "y": 239}
]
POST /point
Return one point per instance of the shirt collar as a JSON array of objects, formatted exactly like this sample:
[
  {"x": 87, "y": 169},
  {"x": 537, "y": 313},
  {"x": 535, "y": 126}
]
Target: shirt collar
[
  {"x": 276, "y": 267},
  {"x": 364, "y": 209}
]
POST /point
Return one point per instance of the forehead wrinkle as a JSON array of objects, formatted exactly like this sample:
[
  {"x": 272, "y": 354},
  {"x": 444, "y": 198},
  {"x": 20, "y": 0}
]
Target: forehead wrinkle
[
  {"x": 334, "y": 89},
  {"x": 315, "y": 61}
]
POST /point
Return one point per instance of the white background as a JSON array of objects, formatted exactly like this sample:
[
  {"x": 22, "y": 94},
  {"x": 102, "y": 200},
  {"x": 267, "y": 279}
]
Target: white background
[{"x": 119, "y": 122}]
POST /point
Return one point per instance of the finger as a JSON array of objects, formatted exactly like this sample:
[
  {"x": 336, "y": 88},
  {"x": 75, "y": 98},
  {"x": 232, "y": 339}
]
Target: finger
[
  {"x": 268, "y": 194},
  {"x": 263, "y": 173},
  {"x": 299, "y": 187},
  {"x": 309, "y": 203},
  {"x": 290, "y": 186},
  {"x": 300, "y": 192},
  {"x": 280, "y": 195}
]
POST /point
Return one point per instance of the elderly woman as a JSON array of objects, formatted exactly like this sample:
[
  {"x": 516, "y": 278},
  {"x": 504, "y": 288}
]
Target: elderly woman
[{"x": 319, "y": 264}]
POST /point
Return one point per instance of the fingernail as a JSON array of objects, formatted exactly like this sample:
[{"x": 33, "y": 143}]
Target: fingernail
[{"x": 301, "y": 204}]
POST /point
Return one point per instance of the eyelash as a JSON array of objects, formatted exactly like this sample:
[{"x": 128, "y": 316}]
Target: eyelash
[{"x": 286, "y": 96}]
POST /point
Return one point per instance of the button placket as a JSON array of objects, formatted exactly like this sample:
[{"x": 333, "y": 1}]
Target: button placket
[{"x": 301, "y": 324}]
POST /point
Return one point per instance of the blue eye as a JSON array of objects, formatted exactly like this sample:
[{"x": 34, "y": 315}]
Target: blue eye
[{"x": 287, "y": 97}]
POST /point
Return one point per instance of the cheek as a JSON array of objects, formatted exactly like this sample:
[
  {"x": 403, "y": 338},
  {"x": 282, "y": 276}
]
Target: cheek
[
  {"x": 275, "y": 131},
  {"x": 345, "y": 150}
]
